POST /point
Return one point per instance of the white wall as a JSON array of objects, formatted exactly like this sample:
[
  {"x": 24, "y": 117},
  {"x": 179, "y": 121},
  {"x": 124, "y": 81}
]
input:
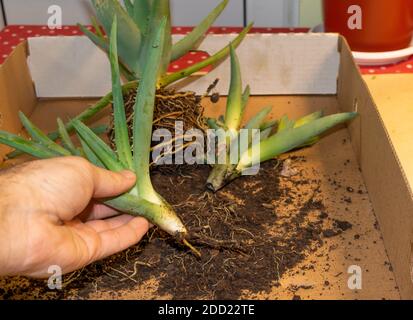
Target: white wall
[
  {"x": 265, "y": 13},
  {"x": 273, "y": 13},
  {"x": 35, "y": 11},
  {"x": 191, "y": 12}
]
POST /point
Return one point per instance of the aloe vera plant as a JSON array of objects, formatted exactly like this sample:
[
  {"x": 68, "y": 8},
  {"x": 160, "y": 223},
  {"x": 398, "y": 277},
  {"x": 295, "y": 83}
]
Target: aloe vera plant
[
  {"x": 275, "y": 137},
  {"x": 142, "y": 199},
  {"x": 135, "y": 21}
]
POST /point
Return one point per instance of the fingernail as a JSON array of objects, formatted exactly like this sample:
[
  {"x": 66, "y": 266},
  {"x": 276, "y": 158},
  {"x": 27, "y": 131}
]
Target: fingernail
[{"x": 128, "y": 174}]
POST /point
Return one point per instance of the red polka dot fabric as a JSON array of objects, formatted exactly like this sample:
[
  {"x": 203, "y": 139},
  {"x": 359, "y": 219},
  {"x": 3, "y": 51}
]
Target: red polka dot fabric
[{"x": 12, "y": 35}]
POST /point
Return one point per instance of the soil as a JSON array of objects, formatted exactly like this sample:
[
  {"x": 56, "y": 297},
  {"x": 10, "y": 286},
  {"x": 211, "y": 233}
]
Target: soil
[{"x": 250, "y": 234}]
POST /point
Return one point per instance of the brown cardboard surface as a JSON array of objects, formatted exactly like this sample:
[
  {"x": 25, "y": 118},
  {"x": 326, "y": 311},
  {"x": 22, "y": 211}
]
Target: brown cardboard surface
[
  {"x": 370, "y": 149},
  {"x": 16, "y": 91}
]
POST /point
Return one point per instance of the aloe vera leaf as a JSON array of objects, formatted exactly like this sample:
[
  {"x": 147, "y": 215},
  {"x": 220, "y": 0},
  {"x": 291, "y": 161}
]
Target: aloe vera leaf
[
  {"x": 220, "y": 55},
  {"x": 160, "y": 10},
  {"x": 123, "y": 147},
  {"x": 245, "y": 97},
  {"x": 160, "y": 215},
  {"x": 191, "y": 41},
  {"x": 32, "y": 148},
  {"x": 256, "y": 121},
  {"x": 144, "y": 107},
  {"x": 96, "y": 39},
  {"x": 212, "y": 124},
  {"x": 308, "y": 118},
  {"x": 233, "y": 113},
  {"x": 285, "y": 123},
  {"x": 99, "y": 147},
  {"x": 40, "y": 137},
  {"x": 129, "y": 6},
  {"x": 89, "y": 154},
  {"x": 65, "y": 138},
  {"x": 130, "y": 39},
  {"x": 86, "y": 115},
  {"x": 290, "y": 139},
  {"x": 141, "y": 15},
  {"x": 97, "y": 27},
  {"x": 268, "y": 124}
]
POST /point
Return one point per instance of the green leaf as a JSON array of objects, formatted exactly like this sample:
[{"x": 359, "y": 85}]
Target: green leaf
[
  {"x": 90, "y": 155},
  {"x": 64, "y": 136},
  {"x": 99, "y": 148},
  {"x": 144, "y": 107},
  {"x": 292, "y": 138},
  {"x": 245, "y": 97},
  {"x": 308, "y": 118},
  {"x": 123, "y": 147},
  {"x": 32, "y": 148},
  {"x": 141, "y": 15},
  {"x": 191, "y": 41},
  {"x": 129, "y": 7},
  {"x": 160, "y": 10},
  {"x": 101, "y": 42},
  {"x": 233, "y": 114},
  {"x": 214, "y": 59},
  {"x": 256, "y": 121},
  {"x": 130, "y": 39},
  {"x": 285, "y": 123},
  {"x": 40, "y": 137}
]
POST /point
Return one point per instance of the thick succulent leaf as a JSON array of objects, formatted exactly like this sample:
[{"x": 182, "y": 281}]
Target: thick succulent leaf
[
  {"x": 285, "y": 123},
  {"x": 192, "y": 40},
  {"x": 245, "y": 97},
  {"x": 40, "y": 137},
  {"x": 268, "y": 124},
  {"x": 308, "y": 118},
  {"x": 90, "y": 155},
  {"x": 65, "y": 138},
  {"x": 256, "y": 121},
  {"x": 144, "y": 107},
  {"x": 123, "y": 147},
  {"x": 141, "y": 15},
  {"x": 95, "y": 38},
  {"x": 213, "y": 124},
  {"x": 290, "y": 139},
  {"x": 98, "y": 146},
  {"x": 160, "y": 10},
  {"x": 130, "y": 39},
  {"x": 29, "y": 147},
  {"x": 214, "y": 59},
  {"x": 233, "y": 114},
  {"x": 129, "y": 6}
]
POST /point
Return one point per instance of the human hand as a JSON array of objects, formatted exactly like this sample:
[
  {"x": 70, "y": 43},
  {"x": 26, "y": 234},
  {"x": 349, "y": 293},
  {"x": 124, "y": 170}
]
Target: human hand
[{"x": 49, "y": 216}]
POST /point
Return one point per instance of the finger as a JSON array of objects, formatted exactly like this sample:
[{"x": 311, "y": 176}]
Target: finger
[
  {"x": 123, "y": 237},
  {"x": 109, "y": 224},
  {"x": 98, "y": 211},
  {"x": 109, "y": 184}
]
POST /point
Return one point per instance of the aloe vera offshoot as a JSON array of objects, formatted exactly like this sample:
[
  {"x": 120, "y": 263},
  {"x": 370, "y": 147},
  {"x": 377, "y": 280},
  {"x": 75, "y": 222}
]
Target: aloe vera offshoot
[
  {"x": 135, "y": 21},
  {"x": 275, "y": 137},
  {"x": 141, "y": 200}
]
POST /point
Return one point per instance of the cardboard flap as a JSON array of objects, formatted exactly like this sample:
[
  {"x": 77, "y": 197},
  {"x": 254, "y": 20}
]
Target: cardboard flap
[{"x": 271, "y": 64}]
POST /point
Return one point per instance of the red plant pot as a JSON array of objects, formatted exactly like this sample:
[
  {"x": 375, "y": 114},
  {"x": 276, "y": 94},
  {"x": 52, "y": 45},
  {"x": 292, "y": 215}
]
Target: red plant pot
[{"x": 380, "y": 25}]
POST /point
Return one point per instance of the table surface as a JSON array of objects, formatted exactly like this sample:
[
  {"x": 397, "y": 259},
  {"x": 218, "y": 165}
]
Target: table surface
[{"x": 391, "y": 85}]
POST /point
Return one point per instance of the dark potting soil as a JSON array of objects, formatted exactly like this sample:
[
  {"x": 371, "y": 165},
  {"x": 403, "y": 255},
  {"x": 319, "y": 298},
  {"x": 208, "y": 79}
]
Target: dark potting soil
[{"x": 246, "y": 243}]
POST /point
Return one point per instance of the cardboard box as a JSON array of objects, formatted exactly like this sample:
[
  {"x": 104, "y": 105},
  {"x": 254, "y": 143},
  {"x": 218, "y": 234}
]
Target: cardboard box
[{"x": 297, "y": 74}]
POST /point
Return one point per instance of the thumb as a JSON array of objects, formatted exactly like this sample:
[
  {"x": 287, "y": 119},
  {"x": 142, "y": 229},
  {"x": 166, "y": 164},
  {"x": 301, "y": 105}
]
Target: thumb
[{"x": 109, "y": 184}]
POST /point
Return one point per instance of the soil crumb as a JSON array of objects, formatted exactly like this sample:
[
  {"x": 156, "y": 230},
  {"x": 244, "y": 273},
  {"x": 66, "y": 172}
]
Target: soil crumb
[{"x": 250, "y": 234}]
